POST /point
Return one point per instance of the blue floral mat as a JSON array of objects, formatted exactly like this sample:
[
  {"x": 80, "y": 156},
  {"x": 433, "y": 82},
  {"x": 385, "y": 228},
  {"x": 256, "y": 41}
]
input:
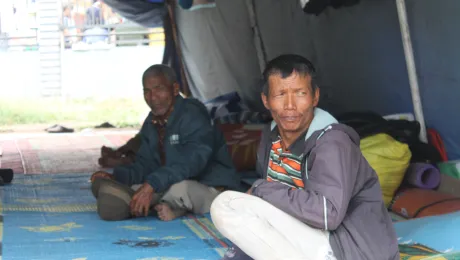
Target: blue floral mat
[{"x": 54, "y": 217}]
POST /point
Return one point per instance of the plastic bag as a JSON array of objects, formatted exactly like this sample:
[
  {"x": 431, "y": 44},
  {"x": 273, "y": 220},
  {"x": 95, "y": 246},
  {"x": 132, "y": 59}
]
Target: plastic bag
[{"x": 390, "y": 159}]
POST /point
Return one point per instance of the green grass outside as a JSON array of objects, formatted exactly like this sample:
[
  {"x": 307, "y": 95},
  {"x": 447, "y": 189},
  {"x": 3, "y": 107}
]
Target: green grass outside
[{"x": 77, "y": 113}]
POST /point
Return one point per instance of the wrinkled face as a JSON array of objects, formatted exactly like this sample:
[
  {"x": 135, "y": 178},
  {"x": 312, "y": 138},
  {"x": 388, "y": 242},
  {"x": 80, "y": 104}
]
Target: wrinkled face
[
  {"x": 291, "y": 102},
  {"x": 159, "y": 94}
]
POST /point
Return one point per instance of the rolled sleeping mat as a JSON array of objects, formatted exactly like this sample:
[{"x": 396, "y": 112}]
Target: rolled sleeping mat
[
  {"x": 423, "y": 176},
  {"x": 113, "y": 199}
]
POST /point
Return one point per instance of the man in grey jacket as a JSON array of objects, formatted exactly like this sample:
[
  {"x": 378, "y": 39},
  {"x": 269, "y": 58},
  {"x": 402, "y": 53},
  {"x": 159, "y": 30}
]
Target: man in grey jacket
[{"x": 318, "y": 197}]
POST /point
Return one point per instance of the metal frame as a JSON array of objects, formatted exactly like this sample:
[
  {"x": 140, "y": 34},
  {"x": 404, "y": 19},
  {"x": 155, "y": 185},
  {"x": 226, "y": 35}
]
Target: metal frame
[{"x": 411, "y": 69}]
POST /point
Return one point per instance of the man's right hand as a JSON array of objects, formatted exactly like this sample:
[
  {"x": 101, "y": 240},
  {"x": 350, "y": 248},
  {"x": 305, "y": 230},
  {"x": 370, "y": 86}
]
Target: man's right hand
[{"x": 101, "y": 174}]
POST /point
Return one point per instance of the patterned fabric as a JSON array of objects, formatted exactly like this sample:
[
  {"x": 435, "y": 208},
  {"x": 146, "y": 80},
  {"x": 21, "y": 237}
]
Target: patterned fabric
[
  {"x": 242, "y": 141},
  {"x": 244, "y": 117},
  {"x": 160, "y": 125},
  {"x": 225, "y": 104},
  {"x": 161, "y": 129},
  {"x": 284, "y": 166},
  {"x": 58, "y": 212},
  {"x": 419, "y": 252},
  {"x": 230, "y": 109}
]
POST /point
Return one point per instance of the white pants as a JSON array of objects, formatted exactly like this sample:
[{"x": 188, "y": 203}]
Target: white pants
[{"x": 264, "y": 232}]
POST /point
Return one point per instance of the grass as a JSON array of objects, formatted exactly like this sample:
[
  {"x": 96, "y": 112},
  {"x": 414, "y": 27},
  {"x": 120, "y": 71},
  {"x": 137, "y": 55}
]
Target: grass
[{"x": 77, "y": 113}]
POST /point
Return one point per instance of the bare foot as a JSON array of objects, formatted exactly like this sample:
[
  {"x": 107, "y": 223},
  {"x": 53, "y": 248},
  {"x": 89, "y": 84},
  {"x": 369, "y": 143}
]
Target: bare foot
[
  {"x": 165, "y": 212},
  {"x": 107, "y": 151}
]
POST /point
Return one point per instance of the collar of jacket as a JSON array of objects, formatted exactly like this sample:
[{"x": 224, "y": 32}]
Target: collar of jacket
[{"x": 178, "y": 101}]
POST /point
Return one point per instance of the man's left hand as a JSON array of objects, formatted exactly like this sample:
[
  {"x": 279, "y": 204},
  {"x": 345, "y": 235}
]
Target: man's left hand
[{"x": 140, "y": 204}]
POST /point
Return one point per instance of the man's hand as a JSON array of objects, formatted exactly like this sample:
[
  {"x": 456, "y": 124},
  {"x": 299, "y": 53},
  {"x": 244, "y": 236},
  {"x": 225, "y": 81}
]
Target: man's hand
[
  {"x": 140, "y": 204},
  {"x": 101, "y": 174},
  {"x": 249, "y": 191}
]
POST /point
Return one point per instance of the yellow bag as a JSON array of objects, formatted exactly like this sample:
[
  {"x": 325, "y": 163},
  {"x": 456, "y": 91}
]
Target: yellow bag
[{"x": 390, "y": 159}]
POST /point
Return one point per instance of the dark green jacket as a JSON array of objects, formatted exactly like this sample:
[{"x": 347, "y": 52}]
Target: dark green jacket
[{"x": 195, "y": 150}]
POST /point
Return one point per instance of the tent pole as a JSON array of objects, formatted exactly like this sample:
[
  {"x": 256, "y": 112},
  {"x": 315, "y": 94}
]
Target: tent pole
[
  {"x": 261, "y": 55},
  {"x": 171, "y": 5},
  {"x": 410, "y": 63}
]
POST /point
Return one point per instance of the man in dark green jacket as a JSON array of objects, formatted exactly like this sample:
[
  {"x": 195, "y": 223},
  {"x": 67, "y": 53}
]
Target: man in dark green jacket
[{"x": 182, "y": 164}]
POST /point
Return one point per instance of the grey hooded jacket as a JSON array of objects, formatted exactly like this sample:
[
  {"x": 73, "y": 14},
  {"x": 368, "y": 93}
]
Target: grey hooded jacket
[{"x": 342, "y": 193}]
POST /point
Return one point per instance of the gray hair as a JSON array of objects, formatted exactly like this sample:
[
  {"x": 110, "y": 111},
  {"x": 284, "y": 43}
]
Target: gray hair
[{"x": 160, "y": 70}]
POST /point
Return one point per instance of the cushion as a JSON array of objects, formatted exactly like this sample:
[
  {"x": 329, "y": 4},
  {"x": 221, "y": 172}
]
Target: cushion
[{"x": 417, "y": 203}]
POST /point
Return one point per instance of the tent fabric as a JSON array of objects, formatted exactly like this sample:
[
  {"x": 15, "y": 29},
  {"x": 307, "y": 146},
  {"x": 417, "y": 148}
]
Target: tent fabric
[
  {"x": 357, "y": 51},
  {"x": 170, "y": 55},
  {"x": 148, "y": 14},
  {"x": 434, "y": 27},
  {"x": 369, "y": 61},
  {"x": 219, "y": 52},
  {"x": 172, "y": 42}
]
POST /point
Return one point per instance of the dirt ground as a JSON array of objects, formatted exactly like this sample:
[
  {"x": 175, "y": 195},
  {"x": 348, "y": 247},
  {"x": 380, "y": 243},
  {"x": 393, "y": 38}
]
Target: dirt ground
[{"x": 40, "y": 128}]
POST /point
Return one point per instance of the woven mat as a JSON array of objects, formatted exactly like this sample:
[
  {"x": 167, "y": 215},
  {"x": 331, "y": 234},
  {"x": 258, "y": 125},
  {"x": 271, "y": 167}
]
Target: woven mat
[
  {"x": 57, "y": 153},
  {"x": 54, "y": 217}
]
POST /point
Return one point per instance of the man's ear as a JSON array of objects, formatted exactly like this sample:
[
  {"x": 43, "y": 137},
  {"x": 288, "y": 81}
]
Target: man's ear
[
  {"x": 316, "y": 97},
  {"x": 176, "y": 89},
  {"x": 265, "y": 101}
]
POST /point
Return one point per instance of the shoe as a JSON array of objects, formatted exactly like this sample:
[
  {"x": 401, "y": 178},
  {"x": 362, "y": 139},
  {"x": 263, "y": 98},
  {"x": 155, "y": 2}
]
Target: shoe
[
  {"x": 59, "y": 129},
  {"x": 105, "y": 125}
]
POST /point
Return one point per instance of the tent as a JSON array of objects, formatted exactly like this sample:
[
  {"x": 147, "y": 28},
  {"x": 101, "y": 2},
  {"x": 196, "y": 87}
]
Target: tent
[{"x": 372, "y": 55}]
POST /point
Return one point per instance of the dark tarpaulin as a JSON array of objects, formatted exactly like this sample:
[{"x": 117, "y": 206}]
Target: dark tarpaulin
[
  {"x": 318, "y": 6},
  {"x": 172, "y": 54},
  {"x": 219, "y": 52},
  {"x": 150, "y": 14},
  {"x": 357, "y": 51},
  {"x": 145, "y": 13}
]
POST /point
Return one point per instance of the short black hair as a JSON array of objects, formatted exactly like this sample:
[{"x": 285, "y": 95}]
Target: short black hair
[
  {"x": 160, "y": 70},
  {"x": 286, "y": 64}
]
